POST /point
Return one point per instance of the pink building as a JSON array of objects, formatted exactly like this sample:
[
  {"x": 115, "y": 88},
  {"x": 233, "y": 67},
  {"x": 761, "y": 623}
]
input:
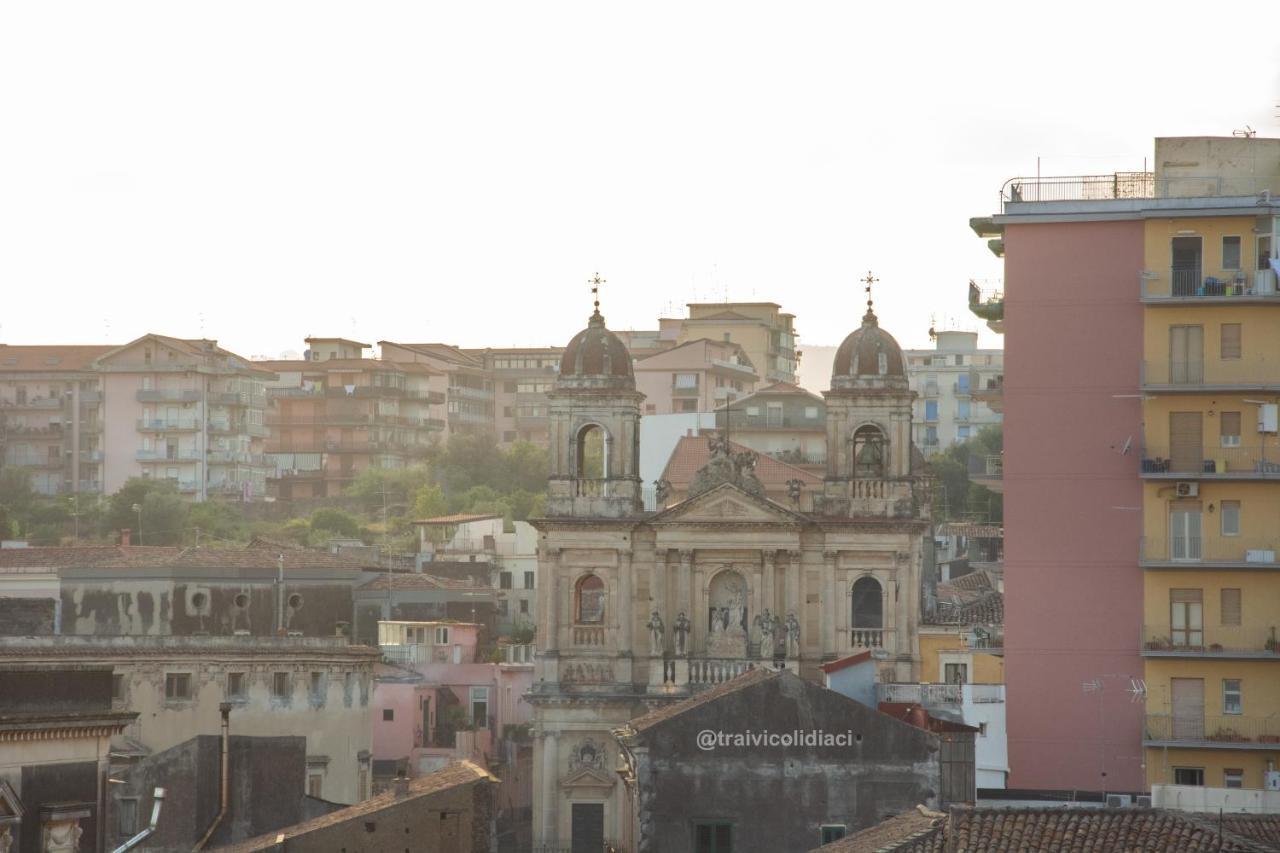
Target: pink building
[
  {"x": 696, "y": 376},
  {"x": 433, "y": 702},
  {"x": 1073, "y": 588}
]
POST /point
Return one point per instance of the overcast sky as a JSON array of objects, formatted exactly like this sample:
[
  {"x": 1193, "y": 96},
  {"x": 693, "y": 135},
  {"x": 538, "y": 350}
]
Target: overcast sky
[{"x": 257, "y": 172}]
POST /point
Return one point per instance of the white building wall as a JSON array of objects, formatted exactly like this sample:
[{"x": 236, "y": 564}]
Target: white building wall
[{"x": 935, "y": 376}]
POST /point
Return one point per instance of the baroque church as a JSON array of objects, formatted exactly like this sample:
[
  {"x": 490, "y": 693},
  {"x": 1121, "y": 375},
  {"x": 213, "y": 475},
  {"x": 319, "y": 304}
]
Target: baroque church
[{"x": 638, "y": 609}]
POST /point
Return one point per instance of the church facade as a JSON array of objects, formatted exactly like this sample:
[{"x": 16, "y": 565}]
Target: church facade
[{"x": 640, "y": 609}]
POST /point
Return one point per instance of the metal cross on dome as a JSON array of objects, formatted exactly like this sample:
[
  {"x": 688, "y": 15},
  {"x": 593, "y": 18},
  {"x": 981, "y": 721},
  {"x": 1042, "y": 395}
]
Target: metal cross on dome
[
  {"x": 868, "y": 281},
  {"x": 595, "y": 282}
]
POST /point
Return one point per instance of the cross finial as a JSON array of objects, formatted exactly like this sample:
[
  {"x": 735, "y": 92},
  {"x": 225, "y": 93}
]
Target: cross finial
[
  {"x": 595, "y": 282},
  {"x": 868, "y": 281}
]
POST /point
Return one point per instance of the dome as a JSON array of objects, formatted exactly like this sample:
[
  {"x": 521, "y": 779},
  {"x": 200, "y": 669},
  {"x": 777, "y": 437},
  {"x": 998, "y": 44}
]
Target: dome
[
  {"x": 867, "y": 353},
  {"x": 596, "y": 358}
]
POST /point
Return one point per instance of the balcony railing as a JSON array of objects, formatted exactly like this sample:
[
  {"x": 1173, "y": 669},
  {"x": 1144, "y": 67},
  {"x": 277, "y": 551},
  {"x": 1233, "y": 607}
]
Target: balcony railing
[
  {"x": 588, "y": 635},
  {"x": 684, "y": 390},
  {"x": 1196, "y": 550},
  {"x": 32, "y": 403},
  {"x": 1218, "y": 732},
  {"x": 167, "y": 424},
  {"x": 1196, "y": 286},
  {"x": 921, "y": 694},
  {"x": 1249, "y": 463},
  {"x": 716, "y": 670},
  {"x": 866, "y": 638},
  {"x": 1195, "y": 375},
  {"x": 986, "y": 467},
  {"x": 168, "y": 395},
  {"x": 1078, "y": 188},
  {"x": 1210, "y": 641}
]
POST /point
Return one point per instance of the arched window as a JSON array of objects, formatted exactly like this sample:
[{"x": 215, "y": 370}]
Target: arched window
[
  {"x": 868, "y": 452},
  {"x": 590, "y": 600},
  {"x": 868, "y": 605},
  {"x": 591, "y": 462}
]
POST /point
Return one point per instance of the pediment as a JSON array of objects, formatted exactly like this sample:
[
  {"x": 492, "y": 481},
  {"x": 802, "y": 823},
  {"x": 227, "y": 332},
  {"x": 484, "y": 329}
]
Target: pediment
[
  {"x": 587, "y": 778},
  {"x": 727, "y": 503},
  {"x": 10, "y": 805}
]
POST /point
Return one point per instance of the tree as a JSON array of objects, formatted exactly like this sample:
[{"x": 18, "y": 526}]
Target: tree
[
  {"x": 218, "y": 520},
  {"x": 526, "y": 467},
  {"x": 391, "y": 487},
  {"x": 336, "y": 523},
  {"x": 955, "y": 496},
  {"x": 429, "y": 501},
  {"x": 134, "y": 493},
  {"x": 16, "y": 494},
  {"x": 164, "y": 518}
]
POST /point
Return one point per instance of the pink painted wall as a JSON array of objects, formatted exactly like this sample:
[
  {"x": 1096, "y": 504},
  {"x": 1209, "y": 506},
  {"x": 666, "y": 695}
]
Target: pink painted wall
[
  {"x": 394, "y": 738},
  {"x": 1073, "y": 589}
]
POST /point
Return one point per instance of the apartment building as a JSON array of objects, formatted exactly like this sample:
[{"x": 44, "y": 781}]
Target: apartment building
[
  {"x": 469, "y": 394},
  {"x": 187, "y": 411},
  {"x": 1146, "y": 299},
  {"x": 781, "y": 420},
  {"x": 695, "y": 376},
  {"x": 521, "y": 379},
  {"x": 956, "y": 385},
  {"x": 762, "y": 329},
  {"x": 50, "y": 416},
  {"x": 334, "y": 413}
]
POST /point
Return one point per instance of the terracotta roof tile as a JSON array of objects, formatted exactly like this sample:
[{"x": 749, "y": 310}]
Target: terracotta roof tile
[
  {"x": 416, "y": 580},
  {"x": 26, "y": 359},
  {"x": 1066, "y": 830},
  {"x": 454, "y": 775},
  {"x": 457, "y": 518},
  {"x": 136, "y": 556},
  {"x": 692, "y": 452}
]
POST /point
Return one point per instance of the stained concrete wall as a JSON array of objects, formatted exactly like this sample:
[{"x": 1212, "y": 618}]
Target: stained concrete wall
[
  {"x": 27, "y": 617},
  {"x": 778, "y": 797}
]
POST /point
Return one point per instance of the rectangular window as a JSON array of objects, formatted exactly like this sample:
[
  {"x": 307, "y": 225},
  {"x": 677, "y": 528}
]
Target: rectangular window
[
  {"x": 931, "y": 435},
  {"x": 959, "y": 360},
  {"x": 117, "y": 686},
  {"x": 235, "y": 685},
  {"x": 956, "y": 673},
  {"x": 811, "y": 412},
  {"x": 833, "y": 832},
  {"x": 524, "y": 606},
  {"x": 442, "y": 635},
  {"x": 315, "y": 785},
  {"x": 177, "y": 685},
  {"x": 1232, "y": 698},
  {"x": 1231, "y": 253},
  {"x": 528, "y": 580},
  {"x": 1230, "y": 342},
  {"x": 480, "y": 707},
  {"x": 317, "y": 685},
  {"x": 388, "y": 715},
  {"x": 1230, "y": 514},
  {"x": 1231, "y": 606},
  {"x": 962, "y": 410},
  {"x": 684, "y": 380},
  {"x": 1188, "y": 776},
  {"x": 962, "y": 383},
  {"x": 1186, "y": 617},
  {"x": 930, "y": 410},
  {"x": 1229, "y": 428},
  {"x": 127, "y": 809},
  {"x": 280, "y": 685},
  {"x": 712, "y": 837},
  {"x": 504, "y": 580},
  {"x": 963, "y": 433},
  {"x": 1233, "y": 777}
]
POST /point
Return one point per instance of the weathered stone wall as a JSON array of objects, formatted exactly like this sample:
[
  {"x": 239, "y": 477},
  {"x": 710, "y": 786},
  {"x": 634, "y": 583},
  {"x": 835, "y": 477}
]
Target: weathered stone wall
[{"x": 27, "y": 617}]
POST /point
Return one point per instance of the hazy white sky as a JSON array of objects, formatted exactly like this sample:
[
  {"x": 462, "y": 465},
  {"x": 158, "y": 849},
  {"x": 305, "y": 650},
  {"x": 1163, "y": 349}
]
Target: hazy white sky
[{"x": 260, "y": 171}]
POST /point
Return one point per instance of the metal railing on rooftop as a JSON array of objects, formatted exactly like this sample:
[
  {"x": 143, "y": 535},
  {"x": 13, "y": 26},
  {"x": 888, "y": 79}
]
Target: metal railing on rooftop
[{"x": 1078, "y": 187}]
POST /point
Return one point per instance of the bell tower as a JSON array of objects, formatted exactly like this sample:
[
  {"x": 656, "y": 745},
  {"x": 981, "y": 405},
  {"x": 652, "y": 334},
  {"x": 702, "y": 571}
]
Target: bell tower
[
  {"x": 595, "y": 427},
  {"x": 869, "y": 451}
]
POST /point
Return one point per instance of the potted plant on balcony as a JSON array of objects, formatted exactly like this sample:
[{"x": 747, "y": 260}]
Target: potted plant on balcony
[
  {"x": 1215, "y": 647},
  {"x": 1227, "y": 735},
  {"x": 1158, "y": 644}
]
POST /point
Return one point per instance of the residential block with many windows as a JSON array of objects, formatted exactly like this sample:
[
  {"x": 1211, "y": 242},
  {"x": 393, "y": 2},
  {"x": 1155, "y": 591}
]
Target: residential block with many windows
[{"x": 957, "y": 389}]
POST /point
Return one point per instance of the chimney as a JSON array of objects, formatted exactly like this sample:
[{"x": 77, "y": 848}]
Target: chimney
[{"x": 124, "y": 536}]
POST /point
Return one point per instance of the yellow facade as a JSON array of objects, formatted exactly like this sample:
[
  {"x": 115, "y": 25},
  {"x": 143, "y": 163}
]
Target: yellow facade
[
  {"x": 1211, "y": 502},
  {"x": 939, "y": 647}
]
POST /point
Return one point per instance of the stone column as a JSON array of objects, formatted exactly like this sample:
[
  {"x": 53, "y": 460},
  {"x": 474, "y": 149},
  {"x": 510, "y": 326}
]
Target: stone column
[
  {"x": 550, "y": 788},
  {"x": 551, "y": 634},
  {"x": 826, "y": 598},
  {"x": 658, "y": 584},
  {"x": 626, "y": 608},
  {"x": 768, "y": 584},
  {"x": 684, "y": 600},
  {"x": 791, "y": 601}
]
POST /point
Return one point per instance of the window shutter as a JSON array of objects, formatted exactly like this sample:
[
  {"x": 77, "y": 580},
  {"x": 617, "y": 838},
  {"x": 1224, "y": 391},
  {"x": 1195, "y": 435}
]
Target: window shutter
[
  {"x": 1231, "y": 607},
  {"x": 1229, "y": 423},
  {"x": 1231, "y": 340},
  {"x": 1185, "y": 596}
]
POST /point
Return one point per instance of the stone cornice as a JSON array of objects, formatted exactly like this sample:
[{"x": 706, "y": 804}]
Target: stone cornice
[{"x": 37, "y": 727}]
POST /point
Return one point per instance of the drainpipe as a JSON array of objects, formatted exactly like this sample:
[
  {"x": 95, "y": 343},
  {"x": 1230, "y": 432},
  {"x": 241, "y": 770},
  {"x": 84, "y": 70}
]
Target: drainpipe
[
  {"x": 280, "y": 596},
  {"x": 157, "y": 800},
  {"x": 225, "y": 797}
]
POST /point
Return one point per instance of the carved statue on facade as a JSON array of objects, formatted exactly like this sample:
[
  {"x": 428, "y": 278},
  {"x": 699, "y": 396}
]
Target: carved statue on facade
[
  {"x": 662, "y": 491},
  {"x": 764, "y": 623},
  {"x": 793, "y": 635},
  {"x": 587, "y": 755},
  {"x": 62, "y": 837},
  {"x": 794, "y": 488},
  {"x": 656, "y": 628},
  {"x": 681, "y": 631},
  {"x": 726, "y": 466}
]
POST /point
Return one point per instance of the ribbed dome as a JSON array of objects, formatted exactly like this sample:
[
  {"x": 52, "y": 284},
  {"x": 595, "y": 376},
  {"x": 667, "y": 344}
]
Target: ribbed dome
[
  {"x": 868, "y": 352},
  {"x": 596, "y": 358}
]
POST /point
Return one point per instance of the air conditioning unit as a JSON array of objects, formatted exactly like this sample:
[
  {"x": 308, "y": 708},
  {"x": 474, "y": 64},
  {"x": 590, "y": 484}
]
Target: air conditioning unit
[
  {"x": 1143, "y": 801},
  {"x": 1187, "y": 489},
  {"x": 1119, "y": 801},
  {"x": 1268, "y": 415},
  {"x": 1271, "y": 780}
]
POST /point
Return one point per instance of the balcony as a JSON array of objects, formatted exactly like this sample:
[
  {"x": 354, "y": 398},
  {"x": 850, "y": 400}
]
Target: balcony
[
  {"x": 34, "y": 462},
  {"x": 168, "y": 424},
  {"x": 1220, "y": 732},
  {"x": 52, "y": 430},
  {"x": 32, "y": 403},
  {"x": 588, "y": 635},
  {"x": 433, "y": 423},
  {"x": 1118, "y": 185},
  {"x": 433, "y": 397},
  {"x": 257, "y": 430},
  {"x": 866, "y": 638},
  {"x": 229, "y": 457},
  {"x": 90, "y": 397},
  {"x": 987, "y": 303},
  {"x": 1227, "y": 287},
  {"x": 989, "y": 391},
  {"x": 1210, "y": 641},
  {"x": 238, "y": 398},
  {"x": 467, "y": 393},
  {"x": 417, "y": 653},
  {"x": 796, "y": 457},
  {"x": 1221, "y": 552},
  {"x": 163, "y": 456},
  {"x": 685, "y": 391},
  {"x": 1212, "y": 463},
  {"x": 1197, "y": 377},
  {"x": 168, "y": 395}
]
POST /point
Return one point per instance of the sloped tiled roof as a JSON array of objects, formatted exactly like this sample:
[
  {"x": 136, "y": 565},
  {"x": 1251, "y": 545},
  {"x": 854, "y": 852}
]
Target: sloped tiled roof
[
  {"x": 775, "y": 389},
  {"x": 692, "y": 452},
  {"x": 972, "y": 599},
  {"x": 417, "y": 580},
  {"x": 1064, "y": 830},
  {"x": 82, "y": 555},
  {"x": 50, "y": 358},
  {"x": 742, "y": 682},
  {"x": 981, "y": 579},
  {"x": 135, "y": 556},
  {"x": 457, "y": 518},
  {"x": 453, "y": 776}
]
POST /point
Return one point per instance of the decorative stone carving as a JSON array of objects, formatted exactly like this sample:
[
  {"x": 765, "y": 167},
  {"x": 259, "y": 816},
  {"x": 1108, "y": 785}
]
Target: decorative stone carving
[
  {"x": 681, "y": 631},
  {"x": 793, "y": 635},
  {"x": 6, "y": 839},
  {"x": 62, "y": 837},
  {"x": 725, "y": 466},
  {"x": 794, "y": 488},
  {"x": 662, "y": 491},
  {"x": 588, "y": 754},
  {"x": 727, "y": 616},
  {"x": 766, "y": 625},
  {"x": 656, "y": 628}
]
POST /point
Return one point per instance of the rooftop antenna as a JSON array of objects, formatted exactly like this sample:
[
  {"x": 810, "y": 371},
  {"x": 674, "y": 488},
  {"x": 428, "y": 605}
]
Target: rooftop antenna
[
  {"x": 1246, "y": 133},
  {"x": 933, "y": 327},
  {"x": 595, "y": 282}
]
